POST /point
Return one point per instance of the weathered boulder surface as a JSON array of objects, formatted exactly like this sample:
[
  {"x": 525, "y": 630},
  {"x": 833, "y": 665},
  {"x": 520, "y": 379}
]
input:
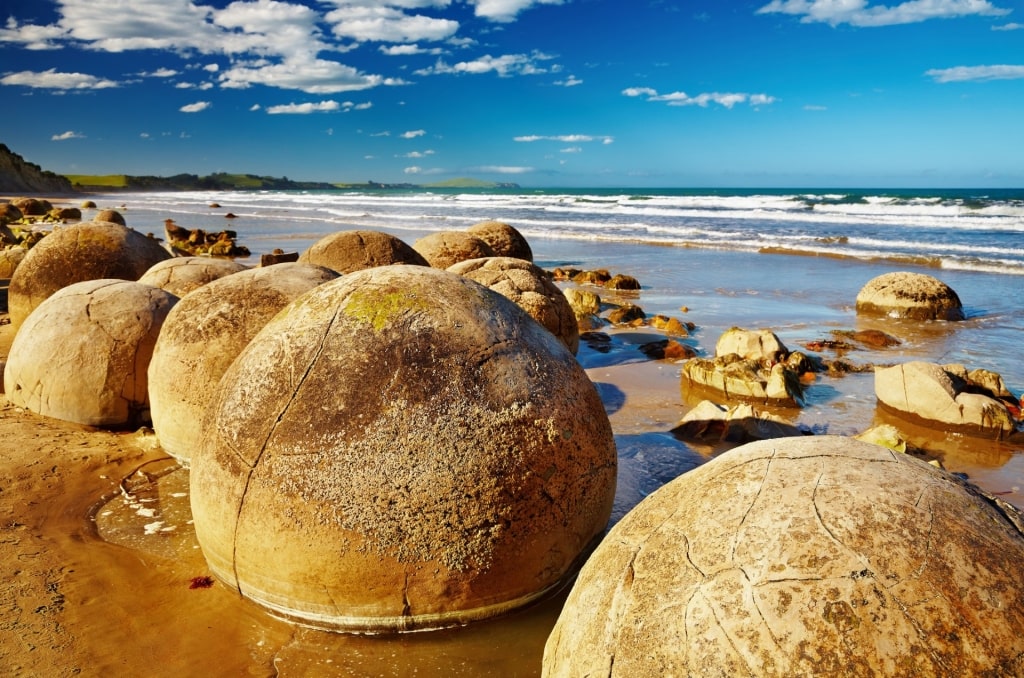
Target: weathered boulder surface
[
  {"x": 348, "y": 251},
  {"x": 585, "y": 306},
  {"x": 204, "y": 334},
  {"x": 909, "y": 295},
  {"x": 447, "y": 248},
  {"x": 505, "y": 240},
  {"x": 85, "y": 251},
  {"x": 749, "y": 366},
  {"x": 947, "y": 396},
  {"x": 113, "y": 216},
  {"x": 739, "y": 424},
  {"x": 800, "y": 556},
  {"x": 82, "y": 354},
  {"x": 10, "y": 258},
  {"x": 401, "y": 448},
  {"x": 529, "y": 287},
  {"x": 181, "y": 275}
]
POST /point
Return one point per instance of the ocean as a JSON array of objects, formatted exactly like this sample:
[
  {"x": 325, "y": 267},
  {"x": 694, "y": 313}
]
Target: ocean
[{"x": 791, "y": 261}]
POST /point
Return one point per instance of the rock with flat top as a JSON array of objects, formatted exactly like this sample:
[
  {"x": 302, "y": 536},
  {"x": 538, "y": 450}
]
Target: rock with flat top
[{"x": 811, "y": 556}]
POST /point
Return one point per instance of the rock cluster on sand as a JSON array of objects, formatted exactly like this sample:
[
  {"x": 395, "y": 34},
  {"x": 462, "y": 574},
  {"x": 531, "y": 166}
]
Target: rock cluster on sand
[
  {"x": 181, "y": 275},
  {"x": 85, "y": 251},
  {"x": 909, "y": 295},
  {"x": 948, "y": 396},
  {"x": 800, "y": 556},
  {"x": 82, "y": 354},
  {"x": 348, "y": 251},
  {"x": 204, "y": 334},
  {"x": 401, "y": 448},
  {"x": 529, "y": 287}
]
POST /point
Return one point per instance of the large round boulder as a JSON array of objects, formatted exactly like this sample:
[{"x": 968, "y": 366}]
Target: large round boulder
[
  {"x": 447, "y": 248},
  {"x": 86, "y": 251},
  {"x": 32, "y": 207},
  {"x": 531, "y": 288},
  {"x": 204, "y": 334},
  {"x": 181, "y": 275},
  {"x": 505, "y": 240},
  {"x": 82, "y": 354},
  {"x": 798, "y": 557},
  {"x": 348, "y": 251},
  {"x": 113, "y": 216},
  {"x": 10, "y": 258},
  {"x": 909, "y": 295},
  {"x": 401, "y": 448}
]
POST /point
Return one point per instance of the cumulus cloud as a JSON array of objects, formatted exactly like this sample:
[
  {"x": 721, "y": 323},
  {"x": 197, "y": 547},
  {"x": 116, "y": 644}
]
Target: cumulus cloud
[
  {"x": 64, "y": 136},
  {"x": 304, "y": 109},
  {"x": 196, "y": 107},
  {"x": 504, "y": 66},
  {"x": 32, "y": 37},
  {"x": 976, "y": 73},
  {"x": 52, "y": 79},
  {"x": 859, "y": 13},
  {"x": 409, "y": 50},
  {"x": 160, "y": 73},
  {"x": 315, "y": 76},
  {"x": 413, "y": 170},
  {"x": 506, "y": 10},
  {"x": 726, "y": 99},
  {"x": 387, "y": 24},
  {"x": 412, "y": 134}
]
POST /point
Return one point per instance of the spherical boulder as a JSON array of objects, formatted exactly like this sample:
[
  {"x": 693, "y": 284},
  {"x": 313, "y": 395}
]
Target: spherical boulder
[
  {"x": 85, "y": 251},
  {"x": 10, "y": 258},
  {"x": 113, "y": 216},
  {"x": 505, "y": 240},
  {"x": 82, "y": 354},
  {"x": 348, "y": 251},
  {"x": 181, "y": 275},
  {"x": 447, "y": 248},
  {"x": 401, "y": 448},
  {"x": 801, "y": 556},
  {"x": 529, "y": 287},
  {"x": 32, "y": 207},
  {"x": 204, "y": 334},
  {"x": 909, "y": 295}
]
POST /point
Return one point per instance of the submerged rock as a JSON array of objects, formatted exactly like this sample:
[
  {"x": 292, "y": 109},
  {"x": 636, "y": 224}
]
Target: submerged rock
[
  {"x": 739, "y": 424},
  {"x": 800, "y": 556}
]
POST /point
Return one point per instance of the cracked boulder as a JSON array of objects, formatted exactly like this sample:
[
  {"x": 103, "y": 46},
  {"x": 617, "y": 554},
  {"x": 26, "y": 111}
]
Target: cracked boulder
[
  {"x": 399, "y": 449},
  {"x": 948, "y": 397},
  {"x": 909, "y": 295},
  {"x": 447, "y": 248},
  {"x": 181, "y": 275},
  {"x": 82, "y": 354},
  {"x": 203, "y": 335},
  {"x": 348, "y": 251},
  {"x": 504, "y": 239},
  {"x": 529, "y": 287},
  {"x": 797, "y": 557},
  {"x": 86, "y": 251}
]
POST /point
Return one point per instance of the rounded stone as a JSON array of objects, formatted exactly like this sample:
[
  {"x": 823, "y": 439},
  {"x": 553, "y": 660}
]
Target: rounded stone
[
  {"x": 909, "y": 295},
  {"x": 32, "y": 207},
  {"x": 505, "y": 240},
  {"x": 801, "y": 556},
  {"x": 348, "y": 251},
  {"x": 203, "y": 335},
  {"x": 181, "y": 275},
  {"x": 447, "y": 248},
  {"x": 86, "y": 251},
  {"x": 529, "y": 287},
  {"x": 400, "y": 449},
  {"x": 10, "y": 258},
  {"x": 82, "y": 354},
  {"x": 113, "y": 216}
]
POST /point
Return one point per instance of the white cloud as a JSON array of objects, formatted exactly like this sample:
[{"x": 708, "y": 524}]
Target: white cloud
[
  {"x": 416, "y": 155},
  {"x": 315, "y": 76},
  {"x": 412, "y": 134},
  {"x": 387, "y": 24},
  {"x": 571, "y": 81},
  {"x": 255, "y": 107},
  {"x": 160, "y": 73},
  {"x": 565, "y": 138},
  {"x": 976, "y": 73},
  {"x": 32, "y": 37},
  {"x": 726, "y": 99},
  {"x": 212, "y": 68},
  {"x": 64, "y": 136},
  {"x": 572, "y": 149},
  {"x": 408, "y": 50},
  {"x": 506, "y": 10},
  {"x": 502, "y": 169},
  {"x": 859, "y": 13},
  {"x": 304, "y": 109},
  {"x": 413, "y": 170},
  {"x": 1008, "y": 27},
  {"x": 196, "y": 107},
  {"x": 51, "y": 79},
  {"x": 504, "y": 66},
  {"x": 144, "y": 135},
  {"x": 813, "y": 107}
]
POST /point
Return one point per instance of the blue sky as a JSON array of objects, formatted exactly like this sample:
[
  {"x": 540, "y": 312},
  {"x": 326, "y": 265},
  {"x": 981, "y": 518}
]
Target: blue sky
[{"x": 770, "y": 93}]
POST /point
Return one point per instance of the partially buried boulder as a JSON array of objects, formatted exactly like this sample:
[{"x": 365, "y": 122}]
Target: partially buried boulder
[
  {"x": 529, "y": 287},
  {"x": 204, "y": 334},
  {"x": 447, "y": 248},
  {"x": 909, "y": 295},
  {"x": 401, "y": 448},
  {"x": 797, "y": 557},
  {"x": 505, "y": 240},
  {"x": 113, "y": 216},
  {"x": 86, "y": 251},
  {"x": 181, "y": 275},
  {"x": 947, "y": 397},
  {"x": 82, "y": 355},
  {"x": 348, "y": 251}
]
